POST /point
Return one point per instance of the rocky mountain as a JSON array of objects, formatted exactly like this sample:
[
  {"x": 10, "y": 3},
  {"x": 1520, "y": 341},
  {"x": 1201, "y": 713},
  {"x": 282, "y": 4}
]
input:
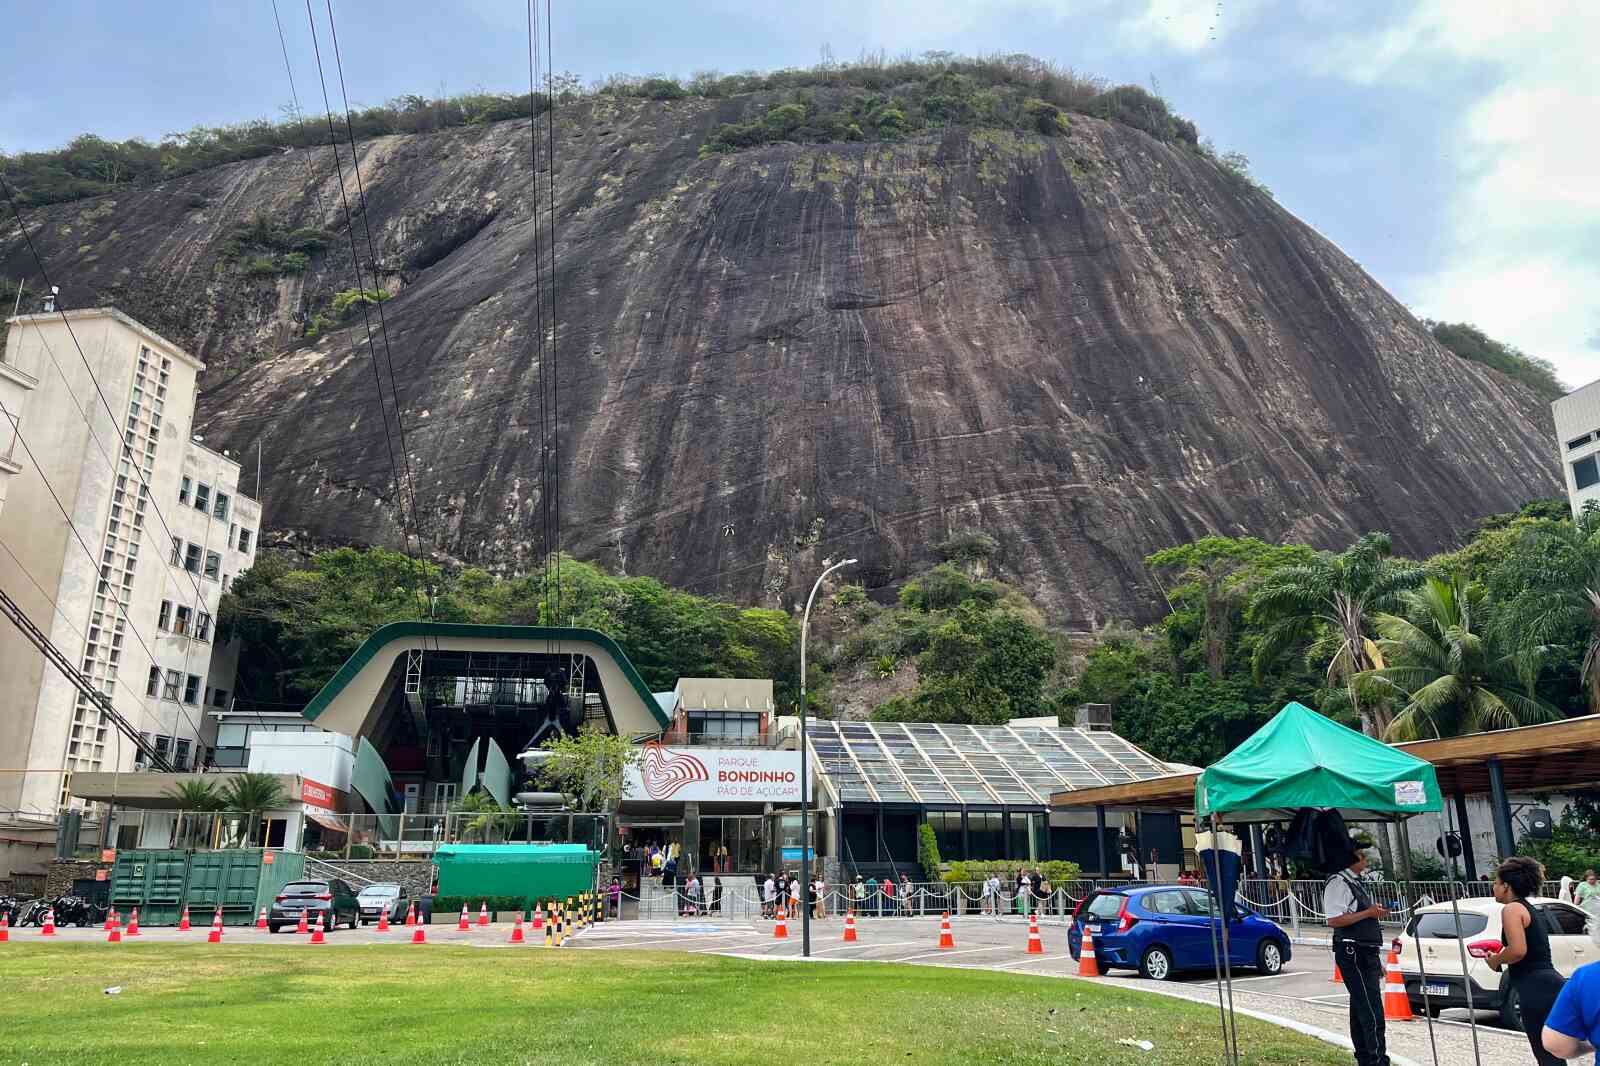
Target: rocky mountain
[{"x": 1089, "y": 345}]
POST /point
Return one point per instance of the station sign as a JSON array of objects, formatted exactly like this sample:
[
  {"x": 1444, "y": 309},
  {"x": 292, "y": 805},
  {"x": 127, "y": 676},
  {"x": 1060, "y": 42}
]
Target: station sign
[{"x": 695, "y": 774}]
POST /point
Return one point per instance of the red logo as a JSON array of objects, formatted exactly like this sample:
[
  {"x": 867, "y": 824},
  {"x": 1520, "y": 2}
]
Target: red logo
[{"x": 665, "y": 772}]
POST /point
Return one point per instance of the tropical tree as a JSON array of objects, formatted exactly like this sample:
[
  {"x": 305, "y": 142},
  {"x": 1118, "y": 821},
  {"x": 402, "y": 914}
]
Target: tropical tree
[
  {"x": 1215, "y": 576},
  {"x": 491, "y": 819},
  {"x": 1549, "y": 584},
  {"x": 253, "y": 795},
  {"x": 590, "y": 766},
  {"x": 195, "y": 795},
  {"x": 1328, "y": 606},
  {"x": 1455, "y": 675}
]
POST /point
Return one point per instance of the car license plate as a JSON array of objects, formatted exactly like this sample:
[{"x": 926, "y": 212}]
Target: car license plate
[{"x": 1436, "y": 990}]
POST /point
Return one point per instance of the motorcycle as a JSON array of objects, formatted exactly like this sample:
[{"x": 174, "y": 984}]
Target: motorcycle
[
  {"x": 11, "y": 907},
  {"x": 75, "y": 910}
]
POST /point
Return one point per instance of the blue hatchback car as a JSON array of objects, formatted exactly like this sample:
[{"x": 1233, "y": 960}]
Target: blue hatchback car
[{"x": 1161, "y": 930}]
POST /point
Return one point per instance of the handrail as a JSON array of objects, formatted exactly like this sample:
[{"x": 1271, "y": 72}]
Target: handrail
[{"x": 319, "y": 865}]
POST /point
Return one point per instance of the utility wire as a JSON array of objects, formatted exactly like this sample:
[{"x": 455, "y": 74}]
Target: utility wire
[
  {"x": 555, "y": 376},
  {"x": 544, "y": 367},
  {"x": 300, "y": 120}
]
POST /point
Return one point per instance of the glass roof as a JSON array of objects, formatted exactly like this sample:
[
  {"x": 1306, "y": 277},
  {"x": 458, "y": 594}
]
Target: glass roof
[{"x": 921, "y": 762}]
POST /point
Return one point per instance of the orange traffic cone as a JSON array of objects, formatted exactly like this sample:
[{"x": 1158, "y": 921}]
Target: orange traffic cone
[
  {"x": 316, "y": 933},
  {"x": 850, "y": 927},
  {"x": 1337, "y": 978},
  {"x": 516, "y": 930},
  {"x": 483, "y": 913},
  {"x": 261, "y": 919},
  {"x": 49, "y": 923},
  {"x": 1396, "y": 1004},
  {"x": 215, "y": 936},
  {"x": 115, "y": 935},
  {"x": 781, "y": 930},
  {"x": 411, "y": 914},
  {"x": 538, "y": 918},
  {"x": 183, "y": 923},
  {"x": 133, "y": 923},
  {"x": 383, "y": 921},
  {"x": 301, "y": 926},
  {"x": 5, "y": 929},
  {"x": 1035, "y": 945},
  {"x": 111, "y": 919},
  {"x": 463, "y": 925},
  {"x": 946, "y": 940},
  {"x": 419, "y": 934},
  {"x": 1087, "y": 966}
]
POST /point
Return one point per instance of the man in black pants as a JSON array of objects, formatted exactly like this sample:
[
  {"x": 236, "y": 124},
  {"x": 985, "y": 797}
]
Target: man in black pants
[{"x": 1357, "y": 943}]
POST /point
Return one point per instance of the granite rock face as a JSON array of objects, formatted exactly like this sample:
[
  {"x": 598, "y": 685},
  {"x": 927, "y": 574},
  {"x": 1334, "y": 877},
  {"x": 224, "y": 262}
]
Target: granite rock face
[{"x": 1089, "y": 346}]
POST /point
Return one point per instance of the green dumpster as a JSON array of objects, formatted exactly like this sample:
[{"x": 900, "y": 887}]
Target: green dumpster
[
  {"x": 536, "y": 871},
  {"x": 153, "y": 881},
  {"x": 238, "y": 880}
]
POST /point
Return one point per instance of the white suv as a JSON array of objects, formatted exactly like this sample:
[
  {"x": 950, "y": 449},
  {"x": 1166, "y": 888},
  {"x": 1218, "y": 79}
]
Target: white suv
[{"x": 1570, "y": 947}]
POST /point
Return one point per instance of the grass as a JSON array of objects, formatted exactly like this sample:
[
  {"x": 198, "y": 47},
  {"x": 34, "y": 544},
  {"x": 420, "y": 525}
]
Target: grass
[{"x": 398, "y": 1004}]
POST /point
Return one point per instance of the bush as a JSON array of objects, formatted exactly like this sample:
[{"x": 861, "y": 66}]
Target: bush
[
  {"x": 1056, "y": 871},
  {"x": 497, "y": 904},
  {"x": 347, "y": 299},
  {"x": 928, "y": 851},
  {"x": 968, "y": 545}
]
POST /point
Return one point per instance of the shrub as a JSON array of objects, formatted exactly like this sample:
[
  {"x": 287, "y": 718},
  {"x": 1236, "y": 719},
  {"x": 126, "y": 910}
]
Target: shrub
[
  {"x": 1044, "y": 116},
  {"x": 928, "y": 851},
  {"x": 346, "y": 299},
  {"x": 849, "y": 596},
  {"x": 967, "y": 545},
  {"x": 661, "y": 89},
  {"x": 1056, "y": 871}
]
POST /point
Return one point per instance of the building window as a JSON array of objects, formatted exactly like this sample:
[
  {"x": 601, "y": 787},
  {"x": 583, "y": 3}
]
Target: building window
[
  {"x": 1579, "y": 442},
  {"x": 724, "y": 724},
  {"x": 244, "y": 540},
  {"x": 170, "y": 689},
  {"x": 164, "y": 619},
  {"x": 220, "y": 510},
  {"x": 153, "y": 686},
  {"x": 1585, "y": 472},
  {"x": 183, "y": 490},
  {"x": 191, "y": 690},
  {"x": 177, "y": 551},
  {"x": 180, "y": 758},
  {"x": 202, "y": 497},
  {"x": 202, "y": 626},
  {"x": 191, "y": 558},
  {"x": 181, "y": 626},
  {"x": 219, "y": 698},
  {"x": 213, "y": 565}
]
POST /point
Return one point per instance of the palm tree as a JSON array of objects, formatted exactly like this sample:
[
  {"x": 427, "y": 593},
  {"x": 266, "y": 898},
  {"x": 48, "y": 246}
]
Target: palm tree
[
  {"x": 492, "y": 819},
  {"x": 1456, "y": 678},
  {"x": 1328, "y": 606},
  {"x": 1557, "y": 566},
  {"x": 254, "y": 795},
  {"x": 195, "y": 795}
]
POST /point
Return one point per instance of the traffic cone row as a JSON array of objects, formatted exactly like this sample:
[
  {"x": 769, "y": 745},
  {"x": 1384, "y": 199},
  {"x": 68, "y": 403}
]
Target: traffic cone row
[
  {"x": 133, "y": 923},
  {"x": 1035, "y": 945},
  {"x": 1087, "y": 966},
  {"x": 850, "y": 926},
  {"x": 1396, "y": 1004},
  {"x": 215, "y": 936},
  {"x": 49, "y": 923},
  {"x": 781, "y": 930},
  {"x": 946, "y": 938}
]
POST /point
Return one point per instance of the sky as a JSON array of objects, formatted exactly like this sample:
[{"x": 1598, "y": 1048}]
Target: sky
[{"x": 1448, "y": 146}]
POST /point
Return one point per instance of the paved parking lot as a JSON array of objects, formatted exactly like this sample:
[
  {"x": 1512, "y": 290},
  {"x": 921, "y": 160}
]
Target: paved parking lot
[{"x": 1303, "y": 992}]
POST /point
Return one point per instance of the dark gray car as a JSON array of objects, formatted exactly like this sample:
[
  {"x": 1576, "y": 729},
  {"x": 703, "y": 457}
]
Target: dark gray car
[{"x": 332, "y": 898}]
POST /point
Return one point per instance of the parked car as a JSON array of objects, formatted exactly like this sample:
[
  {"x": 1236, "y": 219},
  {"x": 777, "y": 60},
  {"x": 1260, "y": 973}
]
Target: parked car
[
  {"x": 332, "y": 898},
  {"x": 1435, "y": 926},
  {"x": 374, "y": 898},
  {"x": 1162, "y": 930}
]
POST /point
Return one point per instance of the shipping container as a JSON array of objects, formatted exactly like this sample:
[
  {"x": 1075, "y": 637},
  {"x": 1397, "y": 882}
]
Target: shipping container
[
  {"x": 153, "y": 881},
  {"x": 240, "y": 880}
]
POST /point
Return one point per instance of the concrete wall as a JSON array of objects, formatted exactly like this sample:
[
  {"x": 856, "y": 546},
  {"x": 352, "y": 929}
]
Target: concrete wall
[
  {"x": 1577, "y": 416},
  {"x": 326, "y": 758},
  {"x": 15, "y": 384}
]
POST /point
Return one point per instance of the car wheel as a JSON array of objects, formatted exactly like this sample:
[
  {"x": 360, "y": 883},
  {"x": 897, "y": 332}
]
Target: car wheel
[
  {"x": 1269, "y": 957},
  {"x": 1511, "y": 1009},
  {"x": 273, "y": 927},
  {"x": 1156, "y": 964}
]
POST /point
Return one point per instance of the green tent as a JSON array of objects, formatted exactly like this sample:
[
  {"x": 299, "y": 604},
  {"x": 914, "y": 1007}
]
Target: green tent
[
  {"x": 537, "y": 871},
  {"x": 1301, "y": 759}
]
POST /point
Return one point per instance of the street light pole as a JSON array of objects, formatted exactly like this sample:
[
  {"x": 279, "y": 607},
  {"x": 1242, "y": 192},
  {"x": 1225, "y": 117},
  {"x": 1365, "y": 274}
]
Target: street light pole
[{"x": 805, "y": 779}]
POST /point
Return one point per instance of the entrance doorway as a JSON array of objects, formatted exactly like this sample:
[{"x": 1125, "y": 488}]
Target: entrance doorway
[{"x": 734, "y": 844}]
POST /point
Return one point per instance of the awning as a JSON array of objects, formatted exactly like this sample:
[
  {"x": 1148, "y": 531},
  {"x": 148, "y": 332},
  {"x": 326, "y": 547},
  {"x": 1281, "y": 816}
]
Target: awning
[{"x": 328, "y": 821}]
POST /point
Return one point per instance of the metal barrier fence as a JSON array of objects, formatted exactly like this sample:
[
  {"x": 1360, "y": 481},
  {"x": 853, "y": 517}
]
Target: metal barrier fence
[{"x": 1295, "y": 905}]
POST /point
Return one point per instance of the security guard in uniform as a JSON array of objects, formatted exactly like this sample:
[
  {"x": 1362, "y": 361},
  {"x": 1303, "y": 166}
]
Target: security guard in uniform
[{"x": 1357, "y": 944}]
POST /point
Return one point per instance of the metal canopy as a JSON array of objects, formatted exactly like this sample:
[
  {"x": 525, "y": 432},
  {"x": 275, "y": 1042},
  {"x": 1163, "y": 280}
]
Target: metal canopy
[{"x": 944, "y": 765}]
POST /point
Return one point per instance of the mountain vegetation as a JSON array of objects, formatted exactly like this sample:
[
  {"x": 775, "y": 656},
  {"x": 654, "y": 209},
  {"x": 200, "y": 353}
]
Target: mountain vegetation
[
  {"x": 1471, "y": 343},
  {"x": 874, "y": 98}
]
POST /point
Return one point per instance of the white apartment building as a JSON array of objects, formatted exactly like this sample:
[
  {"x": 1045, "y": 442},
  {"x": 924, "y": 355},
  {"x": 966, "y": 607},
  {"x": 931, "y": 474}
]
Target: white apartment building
[
  {"x": 15, "y": 384},
  {"x": 129, "y": 587},
  {"x": 1577, "y": 416}
]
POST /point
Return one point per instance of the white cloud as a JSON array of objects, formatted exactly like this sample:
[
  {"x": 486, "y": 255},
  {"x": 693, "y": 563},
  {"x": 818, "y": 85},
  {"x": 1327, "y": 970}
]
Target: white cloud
[
  {"x": 1184, "y": 25},
  {"x": 1522, "y": 261}
]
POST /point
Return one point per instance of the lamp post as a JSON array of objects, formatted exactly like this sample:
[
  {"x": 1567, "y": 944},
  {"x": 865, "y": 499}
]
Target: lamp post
[{"x": 805, "y": 780}]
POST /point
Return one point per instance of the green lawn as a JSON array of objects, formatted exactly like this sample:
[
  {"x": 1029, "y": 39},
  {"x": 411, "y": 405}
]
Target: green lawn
[{"x": 193, "y": 1003}]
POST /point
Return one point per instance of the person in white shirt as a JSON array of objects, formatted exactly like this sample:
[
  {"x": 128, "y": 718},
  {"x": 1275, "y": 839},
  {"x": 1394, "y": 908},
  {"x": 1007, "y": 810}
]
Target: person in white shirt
[
  {"x": 769, "y": 897},
  {"x": 794, "y": 895},
  {"x": 989, "y": 887}
]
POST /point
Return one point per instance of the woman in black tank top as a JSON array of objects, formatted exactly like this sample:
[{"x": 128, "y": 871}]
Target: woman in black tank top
[{"x": 1525, "y": 959}]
